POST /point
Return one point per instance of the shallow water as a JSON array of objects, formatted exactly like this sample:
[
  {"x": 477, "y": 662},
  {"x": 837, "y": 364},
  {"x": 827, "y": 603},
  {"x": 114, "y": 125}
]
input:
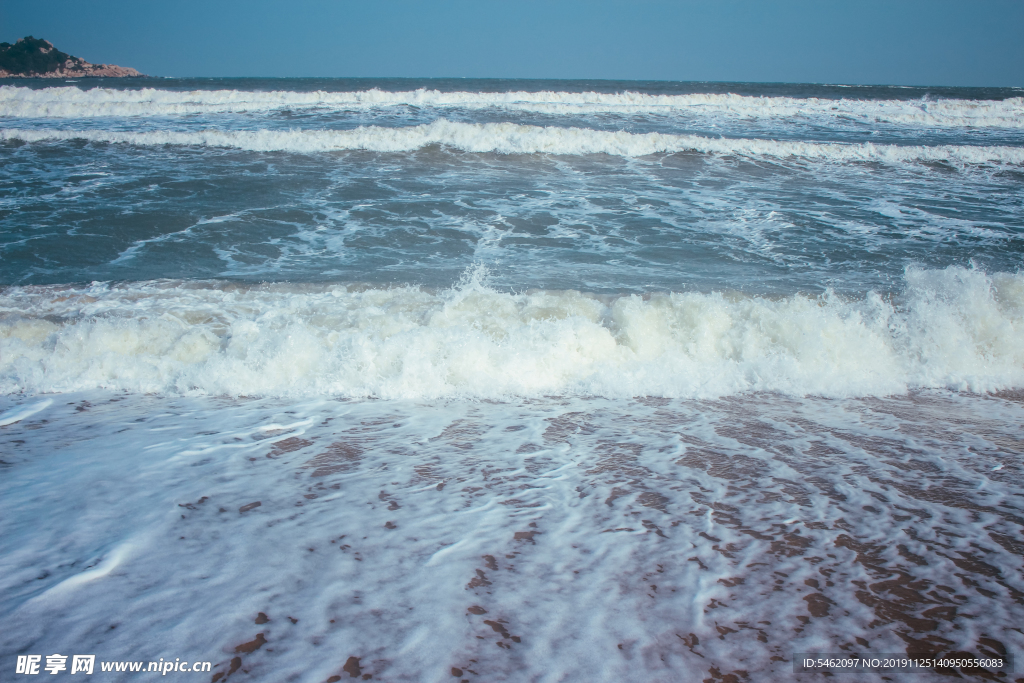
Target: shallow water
[{"x": 550, "y": 539}]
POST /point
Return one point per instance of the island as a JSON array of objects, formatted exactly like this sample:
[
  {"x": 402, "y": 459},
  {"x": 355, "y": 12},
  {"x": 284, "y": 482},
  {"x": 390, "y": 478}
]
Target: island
[{"x": 37, "y": 58}]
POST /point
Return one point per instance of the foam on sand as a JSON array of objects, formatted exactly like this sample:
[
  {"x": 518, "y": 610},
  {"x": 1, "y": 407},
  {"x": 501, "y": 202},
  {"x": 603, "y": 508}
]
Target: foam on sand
[
  {"x": 20, "y": 413},
  {"x": 569, "y": 539}
]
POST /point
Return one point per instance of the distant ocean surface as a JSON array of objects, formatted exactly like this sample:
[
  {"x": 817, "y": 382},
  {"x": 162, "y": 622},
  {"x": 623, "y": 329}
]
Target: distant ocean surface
[{"x": 587, "y": 380}]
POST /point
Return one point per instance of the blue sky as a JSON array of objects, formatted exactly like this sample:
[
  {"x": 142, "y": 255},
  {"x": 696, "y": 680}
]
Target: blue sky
[{"x": 908, "y": 42}]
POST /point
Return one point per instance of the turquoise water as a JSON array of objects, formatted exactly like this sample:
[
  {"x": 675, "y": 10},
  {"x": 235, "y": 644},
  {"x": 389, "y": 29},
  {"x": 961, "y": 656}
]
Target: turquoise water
[{"x": 307, "y": 207}]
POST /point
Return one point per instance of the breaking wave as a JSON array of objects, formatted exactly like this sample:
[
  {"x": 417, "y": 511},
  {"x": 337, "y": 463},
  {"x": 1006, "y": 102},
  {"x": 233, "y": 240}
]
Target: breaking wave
[
  {"x": 510, "y": 138},
  {"x": 69, "y": 102},
  {"x": 954, "y": 328}
]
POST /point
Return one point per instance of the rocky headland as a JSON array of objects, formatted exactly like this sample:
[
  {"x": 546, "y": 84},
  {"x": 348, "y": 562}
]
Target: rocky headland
[{"x": 36, "y": 58}]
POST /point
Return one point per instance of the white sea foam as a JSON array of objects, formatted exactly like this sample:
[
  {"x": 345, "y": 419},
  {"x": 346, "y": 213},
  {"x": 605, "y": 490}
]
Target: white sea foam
[
  {"x": 954, "y": 328},
  {"x": 561, "y": 528},
  {"x": 18, "y": 414},
  {"x": 68, "y": 102},
  {"x": 510, "y": 138}
]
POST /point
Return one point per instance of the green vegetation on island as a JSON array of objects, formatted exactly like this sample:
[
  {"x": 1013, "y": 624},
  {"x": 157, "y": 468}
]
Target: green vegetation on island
[
  {"x": 33, "y": 56},
  {"x": 37, "y": 58}
]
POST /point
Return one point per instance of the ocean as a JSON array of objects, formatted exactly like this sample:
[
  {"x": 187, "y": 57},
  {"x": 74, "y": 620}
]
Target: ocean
[{"x": 510, "y": 380}]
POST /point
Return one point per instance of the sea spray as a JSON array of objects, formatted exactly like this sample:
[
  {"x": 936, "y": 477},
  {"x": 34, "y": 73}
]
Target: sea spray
[
  {"x": 70, "y": 102},
  {"x": 955, "y": 328},
  {"x": 509, "y": 138}
]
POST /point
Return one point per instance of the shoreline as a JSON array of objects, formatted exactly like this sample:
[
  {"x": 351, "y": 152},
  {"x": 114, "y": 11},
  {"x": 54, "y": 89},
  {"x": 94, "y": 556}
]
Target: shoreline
[{"x": 635, "y": 540}]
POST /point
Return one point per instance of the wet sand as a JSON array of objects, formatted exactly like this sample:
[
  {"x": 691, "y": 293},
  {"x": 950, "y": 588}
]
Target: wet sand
[{"x": 544, "y": 540}]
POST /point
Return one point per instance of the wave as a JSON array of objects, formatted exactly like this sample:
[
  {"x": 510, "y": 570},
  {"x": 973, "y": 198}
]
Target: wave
[
  {"x": 69, "y": 102},
  {"x": 954, "y": 328},
  {"x": 510, "y": 138}
]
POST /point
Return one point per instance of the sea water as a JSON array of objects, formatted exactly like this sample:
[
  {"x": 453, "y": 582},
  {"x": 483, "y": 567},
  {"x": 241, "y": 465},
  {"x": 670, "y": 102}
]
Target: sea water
[{"x": 531, "y": 380}]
